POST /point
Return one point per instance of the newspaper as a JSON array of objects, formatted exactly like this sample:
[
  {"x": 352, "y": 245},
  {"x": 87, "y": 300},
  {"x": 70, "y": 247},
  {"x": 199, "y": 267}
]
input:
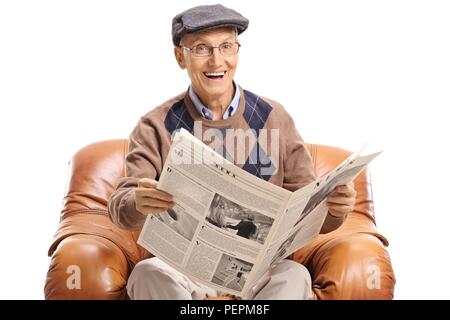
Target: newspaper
[{"x": 229, "y": 227}]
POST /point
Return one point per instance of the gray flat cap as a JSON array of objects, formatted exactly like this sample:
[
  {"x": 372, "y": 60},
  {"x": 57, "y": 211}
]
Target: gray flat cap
[{"x": 204, "y": 18}]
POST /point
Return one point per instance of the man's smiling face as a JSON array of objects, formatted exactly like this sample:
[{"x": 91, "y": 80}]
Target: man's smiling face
[{"x": 211, "y": 76}]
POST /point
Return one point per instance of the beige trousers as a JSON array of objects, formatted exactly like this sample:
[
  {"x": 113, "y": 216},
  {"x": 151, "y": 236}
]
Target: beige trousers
[{"x": 153, "y": 279}]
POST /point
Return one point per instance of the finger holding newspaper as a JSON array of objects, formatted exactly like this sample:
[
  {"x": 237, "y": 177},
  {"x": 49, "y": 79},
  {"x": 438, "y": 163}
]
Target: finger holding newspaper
[{"x": 150, "y": 200}]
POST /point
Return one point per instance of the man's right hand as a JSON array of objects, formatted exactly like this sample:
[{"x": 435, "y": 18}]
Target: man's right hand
[{"x": 150, "y": 200}]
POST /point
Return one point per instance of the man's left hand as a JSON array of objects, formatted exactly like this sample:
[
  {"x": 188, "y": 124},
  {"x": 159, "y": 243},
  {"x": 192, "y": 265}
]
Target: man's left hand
[{"x": 342, "y": 200}]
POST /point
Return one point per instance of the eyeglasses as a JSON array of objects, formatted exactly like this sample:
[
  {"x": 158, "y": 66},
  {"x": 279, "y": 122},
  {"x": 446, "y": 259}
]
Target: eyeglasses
[{"x": 226, "y": 49}]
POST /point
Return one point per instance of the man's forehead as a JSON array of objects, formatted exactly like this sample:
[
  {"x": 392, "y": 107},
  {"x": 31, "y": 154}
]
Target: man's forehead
[{"x": 210, "y": 35}]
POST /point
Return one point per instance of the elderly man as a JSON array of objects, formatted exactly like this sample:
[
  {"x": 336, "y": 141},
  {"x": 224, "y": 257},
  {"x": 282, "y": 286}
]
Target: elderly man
[{"x": 206, "y": 45}]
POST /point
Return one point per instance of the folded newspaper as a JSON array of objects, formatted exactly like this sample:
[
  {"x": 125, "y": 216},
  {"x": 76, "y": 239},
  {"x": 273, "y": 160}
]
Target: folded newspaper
[{"x": 229, "y": 227}]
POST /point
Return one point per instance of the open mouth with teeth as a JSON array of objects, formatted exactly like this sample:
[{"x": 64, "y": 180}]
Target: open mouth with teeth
[{"x": 215, "y": 75}]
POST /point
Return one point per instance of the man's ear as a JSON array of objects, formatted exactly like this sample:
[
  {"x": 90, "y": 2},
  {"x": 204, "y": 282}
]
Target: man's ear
[{"x": 179, "y": 56}]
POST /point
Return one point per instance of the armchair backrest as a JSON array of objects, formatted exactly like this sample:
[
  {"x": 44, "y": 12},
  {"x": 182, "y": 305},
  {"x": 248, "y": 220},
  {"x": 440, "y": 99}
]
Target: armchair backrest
[{"x": 93, "y": 173}]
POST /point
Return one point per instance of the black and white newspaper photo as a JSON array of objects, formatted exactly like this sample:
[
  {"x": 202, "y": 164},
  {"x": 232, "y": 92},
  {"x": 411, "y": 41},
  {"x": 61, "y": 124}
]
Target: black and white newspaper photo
[{"x": 249, "y": 224}]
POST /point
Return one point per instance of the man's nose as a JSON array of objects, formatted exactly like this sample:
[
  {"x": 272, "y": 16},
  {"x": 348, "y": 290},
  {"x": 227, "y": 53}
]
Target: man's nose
[{"x": 216, "y": 58}]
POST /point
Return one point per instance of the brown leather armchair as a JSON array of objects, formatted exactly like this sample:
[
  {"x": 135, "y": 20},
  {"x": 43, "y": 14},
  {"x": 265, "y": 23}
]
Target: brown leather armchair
[{"x": 349, "y": 263}]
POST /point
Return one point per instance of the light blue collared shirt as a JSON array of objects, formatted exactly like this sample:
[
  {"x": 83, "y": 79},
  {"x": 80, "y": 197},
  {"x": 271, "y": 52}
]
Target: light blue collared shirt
[{"x": 206, "y": 113}]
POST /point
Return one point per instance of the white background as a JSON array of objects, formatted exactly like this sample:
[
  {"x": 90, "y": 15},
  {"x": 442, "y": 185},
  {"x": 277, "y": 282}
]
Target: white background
[{"x": 75, "y": 72}]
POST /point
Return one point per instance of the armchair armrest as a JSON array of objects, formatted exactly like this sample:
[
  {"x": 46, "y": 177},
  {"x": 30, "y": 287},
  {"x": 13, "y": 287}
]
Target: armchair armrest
[
  {"x": 87, "y": 267},
  {"x": 353, "y": 266}
]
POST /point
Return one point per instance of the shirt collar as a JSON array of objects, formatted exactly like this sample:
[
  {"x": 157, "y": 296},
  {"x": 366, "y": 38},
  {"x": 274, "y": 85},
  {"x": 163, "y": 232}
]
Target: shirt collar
[{"x": 206, "y": 113}]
